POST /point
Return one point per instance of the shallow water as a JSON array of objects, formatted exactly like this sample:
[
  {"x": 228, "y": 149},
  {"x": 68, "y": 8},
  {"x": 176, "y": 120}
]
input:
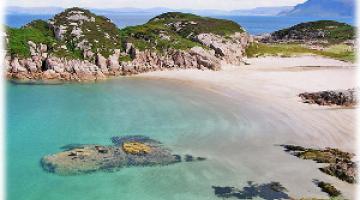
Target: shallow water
[{"x": 237, "y": 137}]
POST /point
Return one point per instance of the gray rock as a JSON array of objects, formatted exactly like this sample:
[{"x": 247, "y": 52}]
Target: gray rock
[
  {"x": 16, "y": 66},
  {"x": 335, "y": 97},
  {"x": 60, "y": 31},
  {"x": 113, "y": 60},
  {"x": 229, "y": 49},
  {"x": 205, "y": 58}
]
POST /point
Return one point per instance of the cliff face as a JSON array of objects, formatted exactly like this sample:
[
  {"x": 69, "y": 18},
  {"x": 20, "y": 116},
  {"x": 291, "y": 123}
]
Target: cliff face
[{"x": 81, "y": 46}]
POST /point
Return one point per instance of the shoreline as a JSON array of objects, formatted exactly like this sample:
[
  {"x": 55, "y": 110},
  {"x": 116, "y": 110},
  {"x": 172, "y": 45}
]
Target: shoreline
[
  {"x": 251, "y": 113},
  {"x": 272, "y": 89},
  {"x": 278, "y": 87}
]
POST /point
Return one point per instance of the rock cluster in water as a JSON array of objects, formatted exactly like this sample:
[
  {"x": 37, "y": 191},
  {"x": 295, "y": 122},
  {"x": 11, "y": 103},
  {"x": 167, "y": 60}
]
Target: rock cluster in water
[
  {"x": 335, "y": 97},
  {"x": 340, "y": 163},
  {"x": 126, "y": 152}
]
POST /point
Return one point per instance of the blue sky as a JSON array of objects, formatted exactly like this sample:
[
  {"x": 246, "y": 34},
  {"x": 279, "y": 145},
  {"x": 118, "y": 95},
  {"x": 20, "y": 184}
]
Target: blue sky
[{"x": 194, "y": 4}]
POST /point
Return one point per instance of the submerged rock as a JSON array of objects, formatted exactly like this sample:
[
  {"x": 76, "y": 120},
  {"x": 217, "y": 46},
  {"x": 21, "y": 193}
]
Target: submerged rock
[
  {"x": 340, "y": 163},
  {"x": 328, "y": 188},
  {"x": 127, "y": 151},
  {"x": 270, "y": 191}
]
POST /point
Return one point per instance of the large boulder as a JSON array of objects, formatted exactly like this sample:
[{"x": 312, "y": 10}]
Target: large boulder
[
  {"x": 230, "y": 49},
  {"x": 16, "y": 67},
  {"x": 101, "y": 61},
  {"x": 113, "y": 60},
  {"x": 205, "y": 59}
]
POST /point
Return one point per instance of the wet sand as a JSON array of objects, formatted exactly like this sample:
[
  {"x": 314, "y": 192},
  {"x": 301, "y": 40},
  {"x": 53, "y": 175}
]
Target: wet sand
[{"x": 271, "y": 86}]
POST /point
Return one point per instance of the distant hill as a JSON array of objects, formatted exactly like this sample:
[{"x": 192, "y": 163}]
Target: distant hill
[
  {"x": 260, "y": 11},
  {"x": 323, "y": 8}
]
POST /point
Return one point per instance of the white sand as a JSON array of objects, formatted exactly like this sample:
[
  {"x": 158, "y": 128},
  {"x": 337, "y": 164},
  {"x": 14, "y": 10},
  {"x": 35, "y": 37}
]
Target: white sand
[
  {"x": 276, "y": 82},
  {"x": 272, "y": 84}
]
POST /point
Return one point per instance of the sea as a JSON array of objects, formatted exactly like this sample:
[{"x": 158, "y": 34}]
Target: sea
[
  {"x": 235, "y": 137},
  {"x": 255, "y": 25}
]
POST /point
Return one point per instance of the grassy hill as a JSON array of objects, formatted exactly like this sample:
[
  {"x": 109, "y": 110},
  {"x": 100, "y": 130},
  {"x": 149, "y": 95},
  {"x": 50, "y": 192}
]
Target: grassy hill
[
  {"x": 329, "y": 36},
  {"x": 331, "y": 31},
  {"x": 37, "y": 31},
  {"x": 176, "y": 30},
  {"x": 80, "y": 28}
]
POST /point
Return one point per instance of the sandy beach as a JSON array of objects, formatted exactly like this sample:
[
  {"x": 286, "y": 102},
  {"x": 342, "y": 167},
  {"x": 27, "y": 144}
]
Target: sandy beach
[
  {"x": 271, "y": 85},
  {"x": 276, "y": 82}
]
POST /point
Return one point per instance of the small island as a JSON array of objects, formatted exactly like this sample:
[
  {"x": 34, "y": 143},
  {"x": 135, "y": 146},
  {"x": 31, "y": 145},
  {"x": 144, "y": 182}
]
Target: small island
[{"x": 77, "y": 45}]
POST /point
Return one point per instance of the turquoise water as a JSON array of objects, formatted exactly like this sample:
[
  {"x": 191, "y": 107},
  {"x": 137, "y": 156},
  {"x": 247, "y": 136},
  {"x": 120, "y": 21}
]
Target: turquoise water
[
  {"x": 238, "y": 136},
  {"x": 43, "y": 118}
]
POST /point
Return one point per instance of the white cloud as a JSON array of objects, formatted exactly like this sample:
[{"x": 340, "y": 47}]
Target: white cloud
[{"x": 195, "y": 4}]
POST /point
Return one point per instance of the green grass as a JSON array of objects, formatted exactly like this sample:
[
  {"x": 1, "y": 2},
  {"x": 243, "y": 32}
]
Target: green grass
[
  {"x": 339, "y": 52},
  {"x": 92, "y": 31},
  {"x": 125, "y": 58},
  {"x": 18, "y": 40},
  {"x": 39, "y": 31},
  {"x": 203, "y": 24},
  {"x": 147, "y": 36}
]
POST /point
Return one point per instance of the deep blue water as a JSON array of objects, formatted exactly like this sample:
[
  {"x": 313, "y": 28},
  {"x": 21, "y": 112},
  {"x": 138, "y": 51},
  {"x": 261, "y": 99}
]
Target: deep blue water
[
  {"x": 259, "y": 24},
  {"x": 253, "y": 24}
]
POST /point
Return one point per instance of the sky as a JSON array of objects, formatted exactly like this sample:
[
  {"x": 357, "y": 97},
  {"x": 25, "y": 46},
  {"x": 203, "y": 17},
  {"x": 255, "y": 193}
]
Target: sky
[{"x": 188, "y": 4}]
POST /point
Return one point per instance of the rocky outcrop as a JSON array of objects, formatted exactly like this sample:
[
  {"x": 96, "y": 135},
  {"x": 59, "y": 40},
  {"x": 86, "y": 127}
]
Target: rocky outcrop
[
  {"x": 42, "y": 66},
  {"x": 127, "y": 151},
  {"x": 230, "y": 49},
  {"x": 336, "y": 97},
  {"x": 85, "y": 30},
  {"x": 82, "y": 46},
  {"x": 340, "y": 163}
]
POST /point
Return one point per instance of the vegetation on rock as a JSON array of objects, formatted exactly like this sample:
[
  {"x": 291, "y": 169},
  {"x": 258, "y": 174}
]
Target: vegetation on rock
[
  {"x": 328, "y": 188},
  {"x": 85, "y": 30},
  {"x": 68, "y": 34},
  {"x": 136, "y": 148},
  {"x": 175, "y": 30},
  {"x": 37, "y": 31},
  {"x": 329, "y": 30},
  {"x": 340, "y": 162},
  {"x": 324, "y": 38}
]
